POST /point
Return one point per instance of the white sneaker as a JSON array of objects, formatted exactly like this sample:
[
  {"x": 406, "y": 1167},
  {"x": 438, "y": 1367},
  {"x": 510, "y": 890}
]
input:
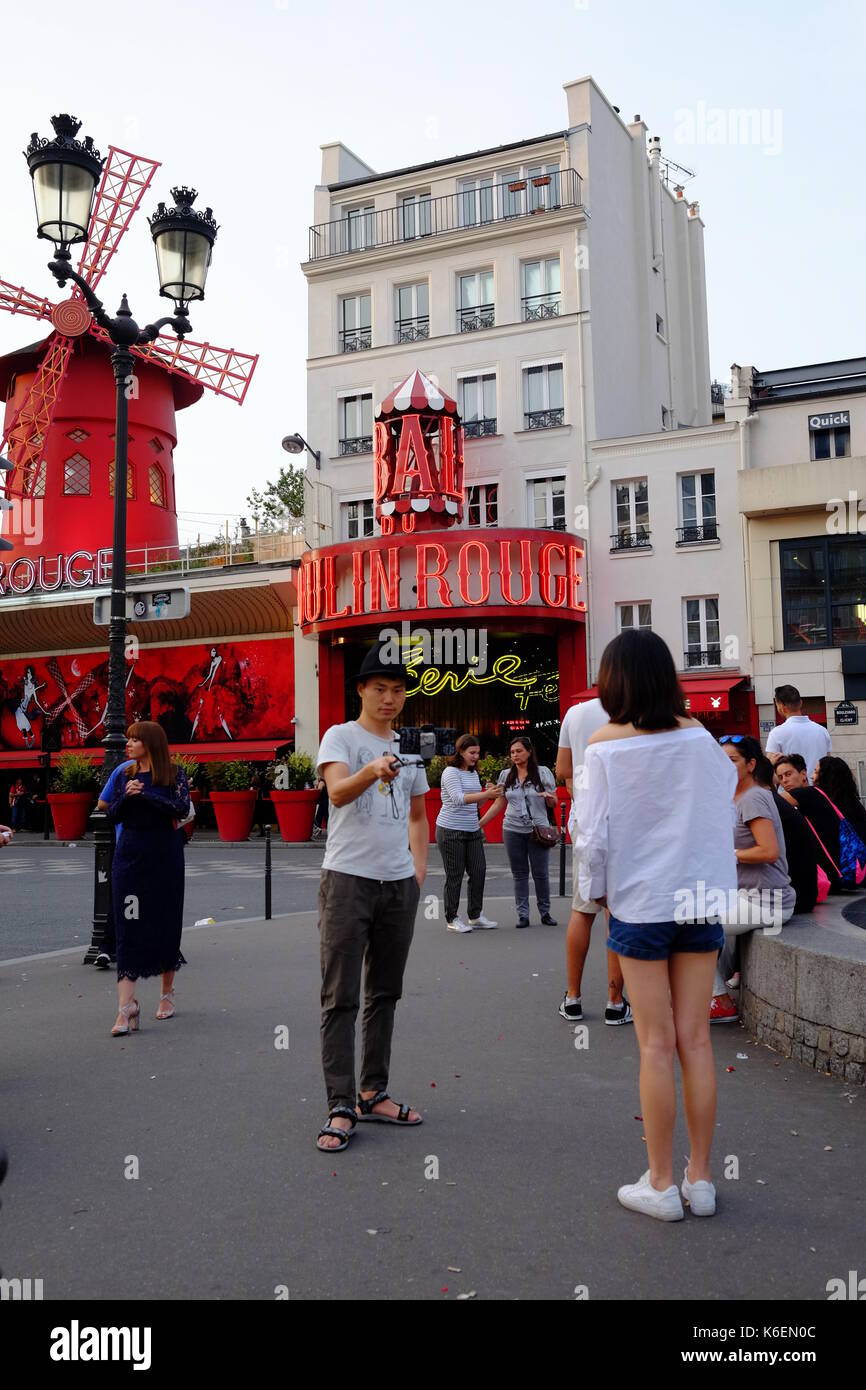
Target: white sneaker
[
  {"x": 701, "y": 1196},
  {"x": 458, "y": 925},
  {"x": 482, "y": 921},
  {"x": 642, "y": 1196}
]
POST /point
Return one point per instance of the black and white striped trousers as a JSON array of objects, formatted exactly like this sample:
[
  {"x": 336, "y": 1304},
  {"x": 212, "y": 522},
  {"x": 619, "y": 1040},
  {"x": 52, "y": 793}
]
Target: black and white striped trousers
[{"x": 462, "y": 853}]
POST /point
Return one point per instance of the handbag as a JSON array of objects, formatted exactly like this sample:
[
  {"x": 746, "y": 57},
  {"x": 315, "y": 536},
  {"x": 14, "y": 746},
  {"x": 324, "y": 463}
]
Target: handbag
[
  {"x": 546, "y": 835},
  {"x": 852, "y": 851}
]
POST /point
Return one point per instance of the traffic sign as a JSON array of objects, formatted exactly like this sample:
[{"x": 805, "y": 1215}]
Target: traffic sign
[{"x": 146, "y": 605}]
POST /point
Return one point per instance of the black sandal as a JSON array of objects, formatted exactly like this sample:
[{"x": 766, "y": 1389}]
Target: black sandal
[
  {"x": 344, "y": 1135},
  {"x": 402, "y": 1118}
]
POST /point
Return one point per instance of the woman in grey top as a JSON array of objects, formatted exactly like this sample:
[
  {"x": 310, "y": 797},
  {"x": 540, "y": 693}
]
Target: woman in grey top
[
  {"x": 528, "y": 790},
  {"x": 766, "y": 895},
  {"x": 459, "y": 836}
]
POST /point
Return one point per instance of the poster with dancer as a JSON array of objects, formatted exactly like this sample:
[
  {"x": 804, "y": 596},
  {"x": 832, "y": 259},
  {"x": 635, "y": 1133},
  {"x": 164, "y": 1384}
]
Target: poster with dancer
[{"x": 202, "y": 693}]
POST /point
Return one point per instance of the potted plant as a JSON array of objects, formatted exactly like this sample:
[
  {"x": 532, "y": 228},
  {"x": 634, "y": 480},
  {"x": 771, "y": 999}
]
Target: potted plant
[
  {"x": 489, "y": 768},
  {"x": 433, "y": 799},
  {"x": 233, "y": 798},
  {"x": 294, "y": 794},
  {"x": 72, "y": 794},
  {"x": 192, "y": 768}
]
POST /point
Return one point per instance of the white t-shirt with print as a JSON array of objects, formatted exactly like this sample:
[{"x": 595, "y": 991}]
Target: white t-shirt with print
[{"x": 370, "y": 836}]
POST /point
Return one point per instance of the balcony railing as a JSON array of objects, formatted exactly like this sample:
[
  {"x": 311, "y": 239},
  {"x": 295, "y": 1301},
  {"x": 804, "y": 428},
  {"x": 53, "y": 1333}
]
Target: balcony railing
[
  {"x": 470, "y": 320},
  {"x": 479, "y": 429},
  {"x": 411, "y": 330},
  {"x": 476, "y": 207},
  {"x": 355, "y": 339},
  {"x": 702, "y": 656},
  {"x": 631, "y": 540},
  {"x": 543, "y": 419},
  {"x": 697, "y": 535},
  {"x": 540, "y": 306},
  {"x": 359, "y": 444}
]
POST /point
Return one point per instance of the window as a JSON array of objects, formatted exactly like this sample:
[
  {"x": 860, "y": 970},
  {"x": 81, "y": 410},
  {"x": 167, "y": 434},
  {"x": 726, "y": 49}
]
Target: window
[
  {"x": 630, "y": 515},
  {"x": 78, "y": 436},
  {"x": 415, "y": 216},
  {"x": 76, "y": 476},
  {"x": 412, "y": 313},
  {"x": 130, "y": 479},
  {"x": 156, "y": 445},
  {"x": 543, "y": 404},
  {"x": 356, "y": 424},
  {"x": 360, "y": 227},
  {"x": 355, "y": 330},
  {"x": 701, "y": 625},
  {"x": 475, "y": 201},
  {"x": 823, "y": 592},
  {"x": 156, "y": 479},
  {"x": 697, "y": 508},
  {"x": 38, "y": 488},
  {"x": 541, "y": 289},
  {"x": 835, "y": 443},
  {"x": 477, "y": 400},
  {"x": 482, "y": 504},
  {"x": 543, "y": 187},
  {"x": 633, "y": 615},
  {"x": 547, "y": 500},
  {"x": 359, "y": 521},
  {"x": 475, "y": 308}
]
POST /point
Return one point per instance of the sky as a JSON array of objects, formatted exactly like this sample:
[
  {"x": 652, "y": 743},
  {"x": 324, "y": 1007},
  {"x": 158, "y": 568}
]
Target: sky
[{"x": 235, "y": 100}]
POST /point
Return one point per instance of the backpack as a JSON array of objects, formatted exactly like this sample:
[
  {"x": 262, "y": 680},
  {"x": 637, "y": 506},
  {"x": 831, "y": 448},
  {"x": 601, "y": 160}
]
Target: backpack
[{"x": 852, "y": 851}]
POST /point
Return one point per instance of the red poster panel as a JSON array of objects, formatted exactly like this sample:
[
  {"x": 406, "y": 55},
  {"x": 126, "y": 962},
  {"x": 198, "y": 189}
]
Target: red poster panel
[{"x": 204, "y": 693}]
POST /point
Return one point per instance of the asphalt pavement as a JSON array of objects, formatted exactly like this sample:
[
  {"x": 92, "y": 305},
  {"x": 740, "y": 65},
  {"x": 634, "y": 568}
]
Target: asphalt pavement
[{"x": 180, "y": 1163}]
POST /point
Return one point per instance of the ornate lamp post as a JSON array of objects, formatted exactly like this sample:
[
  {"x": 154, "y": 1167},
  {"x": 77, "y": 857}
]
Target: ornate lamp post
[{"x": 65, "y": 172}]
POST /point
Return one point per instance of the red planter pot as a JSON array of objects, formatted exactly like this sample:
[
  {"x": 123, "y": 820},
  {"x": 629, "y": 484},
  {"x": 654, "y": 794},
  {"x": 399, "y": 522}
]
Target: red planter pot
[
  {"x": 71, "y": 812},
  {"x": 295, "y": 812},
  {"x": 433, "y": 805},
  {"x": 195, "y": 798},
  {"x": 493, "y": 828},
  {"x": 234, "y": 813}
]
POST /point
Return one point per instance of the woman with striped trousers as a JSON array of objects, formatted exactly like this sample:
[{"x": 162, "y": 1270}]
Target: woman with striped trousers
[{"x": 459, "y": 836}]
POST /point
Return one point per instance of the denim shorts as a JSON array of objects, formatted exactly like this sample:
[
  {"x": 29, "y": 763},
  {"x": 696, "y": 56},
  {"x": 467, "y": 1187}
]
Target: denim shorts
[{"x": 659, "y": 940}]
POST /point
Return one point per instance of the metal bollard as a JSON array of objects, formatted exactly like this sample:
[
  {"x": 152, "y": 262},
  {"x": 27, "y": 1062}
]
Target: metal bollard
[
  {"x": 267, "y": 873},
  {"x": 563, "y": 820}
]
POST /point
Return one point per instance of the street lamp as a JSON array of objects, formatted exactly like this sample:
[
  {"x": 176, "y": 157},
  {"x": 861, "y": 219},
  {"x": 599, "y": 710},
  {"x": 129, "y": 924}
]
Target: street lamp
[
  {"x": 296, "y": 444},
  {"x": 65, "y": 172}
]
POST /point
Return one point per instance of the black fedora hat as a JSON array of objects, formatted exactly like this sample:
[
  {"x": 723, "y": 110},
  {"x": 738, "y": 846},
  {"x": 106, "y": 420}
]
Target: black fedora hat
[{"x": 380, "y": 661}]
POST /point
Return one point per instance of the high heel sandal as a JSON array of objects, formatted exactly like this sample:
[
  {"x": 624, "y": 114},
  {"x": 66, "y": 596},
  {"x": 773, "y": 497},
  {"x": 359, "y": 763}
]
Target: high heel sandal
[
  {"x": 131, "y": 1018},
  {"x": 169, "y": 997}
]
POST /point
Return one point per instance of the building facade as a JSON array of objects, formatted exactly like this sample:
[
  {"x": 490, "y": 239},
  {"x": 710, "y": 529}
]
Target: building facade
[{"x": 554, "y": 289}]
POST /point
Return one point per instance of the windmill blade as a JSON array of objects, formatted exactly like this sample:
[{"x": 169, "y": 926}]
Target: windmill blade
[
  {"x": 29, "y": 427},
  {"x": 125, "y": 180},
  {"x": 16, "y": 300},
  {"x": 222, "y": 370}
]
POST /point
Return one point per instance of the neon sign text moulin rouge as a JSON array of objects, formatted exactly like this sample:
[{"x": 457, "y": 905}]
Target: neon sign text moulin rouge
[{"x": 515, "y": 573}]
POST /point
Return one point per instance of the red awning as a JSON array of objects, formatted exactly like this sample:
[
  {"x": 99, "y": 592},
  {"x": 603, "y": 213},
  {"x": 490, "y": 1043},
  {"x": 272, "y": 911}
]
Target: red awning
[
  {"x": 251, "y": 750},
  {"x": 706, "y": 695}
]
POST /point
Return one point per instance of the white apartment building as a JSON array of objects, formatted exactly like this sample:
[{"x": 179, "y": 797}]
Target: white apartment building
[{"x": 554, "y": 287}]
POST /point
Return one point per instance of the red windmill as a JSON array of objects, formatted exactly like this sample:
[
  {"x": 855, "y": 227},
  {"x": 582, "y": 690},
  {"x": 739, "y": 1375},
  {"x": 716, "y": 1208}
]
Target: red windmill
[{"x": 60, "y": 414}]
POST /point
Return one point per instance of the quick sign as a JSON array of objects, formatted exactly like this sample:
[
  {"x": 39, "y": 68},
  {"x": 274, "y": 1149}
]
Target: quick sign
[{"x": 831, "y": 421}]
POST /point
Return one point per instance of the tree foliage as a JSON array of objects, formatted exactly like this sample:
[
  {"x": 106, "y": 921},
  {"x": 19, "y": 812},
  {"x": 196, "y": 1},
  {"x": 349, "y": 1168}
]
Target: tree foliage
[{"x": 279, "y": 500}]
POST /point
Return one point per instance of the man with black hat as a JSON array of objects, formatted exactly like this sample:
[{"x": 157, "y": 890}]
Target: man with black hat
[{"x": 374, "y": 865}]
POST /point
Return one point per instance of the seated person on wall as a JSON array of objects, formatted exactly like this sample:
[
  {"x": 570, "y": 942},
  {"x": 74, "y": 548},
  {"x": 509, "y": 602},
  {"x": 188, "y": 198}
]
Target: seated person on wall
[
  {"x": 833, "y": 794},
  {"x": 801, "y": 847}
]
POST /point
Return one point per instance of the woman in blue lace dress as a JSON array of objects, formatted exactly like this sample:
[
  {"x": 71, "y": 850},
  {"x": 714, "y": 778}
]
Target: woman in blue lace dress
[{"x": 148, "y": 799}]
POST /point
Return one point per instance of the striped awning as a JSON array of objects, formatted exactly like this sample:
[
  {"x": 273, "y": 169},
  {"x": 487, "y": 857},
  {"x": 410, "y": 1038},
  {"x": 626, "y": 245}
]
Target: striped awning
[{"x": 417, "y": 392}]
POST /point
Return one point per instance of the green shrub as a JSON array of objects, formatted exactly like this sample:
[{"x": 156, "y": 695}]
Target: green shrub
[
  {"x": 435, "y": 768},
  {"x": 190, "y": 766},
  {"x": 74, "y": 772},
  {"x": 295, "y": 773},
  {"x": 229, "y": 777},
  {"x": 490, "y": 766}
]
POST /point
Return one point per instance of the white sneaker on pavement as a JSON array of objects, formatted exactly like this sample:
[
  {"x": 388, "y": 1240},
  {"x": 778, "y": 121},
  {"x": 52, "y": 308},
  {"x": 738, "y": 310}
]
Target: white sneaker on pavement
[
  {"x": 701, "y": 1196},
  {"x": 482, "y": 921},
  {"x": 642, "y": 1196},
  {"x": 458, "y": 925}
]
